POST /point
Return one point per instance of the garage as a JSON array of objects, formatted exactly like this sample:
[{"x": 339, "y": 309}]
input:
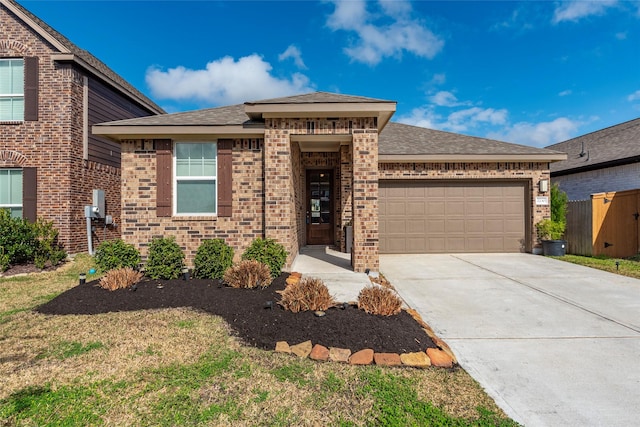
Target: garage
[{"x": 429, "y": 216}]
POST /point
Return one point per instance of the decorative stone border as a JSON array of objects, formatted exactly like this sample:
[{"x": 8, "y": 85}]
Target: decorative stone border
[{"x": 441, "y": 357}]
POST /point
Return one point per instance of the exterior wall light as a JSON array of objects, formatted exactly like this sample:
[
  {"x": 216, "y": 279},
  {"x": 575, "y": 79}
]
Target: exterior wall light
[{"x": 543, "y": 185}]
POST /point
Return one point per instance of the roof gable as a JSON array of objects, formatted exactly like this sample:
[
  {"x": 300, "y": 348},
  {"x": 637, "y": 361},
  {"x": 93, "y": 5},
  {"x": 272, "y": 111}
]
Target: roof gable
[
  {"x": 319, "y": 98},
  {"x": 617, "y": 144},
  {"x": 68, "y": 51}
]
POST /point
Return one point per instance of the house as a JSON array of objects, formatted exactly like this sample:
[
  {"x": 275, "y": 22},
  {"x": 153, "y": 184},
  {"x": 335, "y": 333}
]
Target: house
[
  {"x": 603, "y": 161},
  {"x": 300, "y": 169},
  {"x": 51, "y": 93}
]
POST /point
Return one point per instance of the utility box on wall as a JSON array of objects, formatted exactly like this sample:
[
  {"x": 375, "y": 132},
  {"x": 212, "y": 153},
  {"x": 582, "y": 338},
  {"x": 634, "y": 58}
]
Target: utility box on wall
[{"x": 98, "y": 204}]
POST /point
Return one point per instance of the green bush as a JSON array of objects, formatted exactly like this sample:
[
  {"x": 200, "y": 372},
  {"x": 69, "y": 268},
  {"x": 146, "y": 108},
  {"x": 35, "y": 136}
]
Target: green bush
[
  {"x": 559, "y": 205},
  {"x": 113, "y": 254},
  {"x": 166, "y": 259},
  {"x": 268, "y": 252},
  {"x": 23, "y": 242},
  {"x": 212, "y": 259}
]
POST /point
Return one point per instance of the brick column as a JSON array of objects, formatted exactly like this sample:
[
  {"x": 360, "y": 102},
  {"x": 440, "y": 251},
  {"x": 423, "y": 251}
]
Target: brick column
[
  {"x": 365, "y": 201},
  {"x": 346, "y": 193},
  {"x": 279, "y": 220}
]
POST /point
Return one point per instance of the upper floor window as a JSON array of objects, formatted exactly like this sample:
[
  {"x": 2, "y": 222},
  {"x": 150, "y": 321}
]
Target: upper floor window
[
  {"x": 195, "y": 176},
  {"x": 11, "y": 89},
  {"x": 11, "y": 191}
]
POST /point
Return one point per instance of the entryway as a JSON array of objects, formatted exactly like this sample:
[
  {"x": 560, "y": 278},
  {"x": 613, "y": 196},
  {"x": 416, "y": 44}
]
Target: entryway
[{"x": 320, "y": 222}]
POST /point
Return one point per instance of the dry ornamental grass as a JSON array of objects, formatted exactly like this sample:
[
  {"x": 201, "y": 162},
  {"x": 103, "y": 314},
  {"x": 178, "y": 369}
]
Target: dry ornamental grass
[
  {"x": 379, "y": 300},
  {"x": 248, "y": 274},
  {"x": 309, "y": 293},
  {"x": 120, "y": 278}
]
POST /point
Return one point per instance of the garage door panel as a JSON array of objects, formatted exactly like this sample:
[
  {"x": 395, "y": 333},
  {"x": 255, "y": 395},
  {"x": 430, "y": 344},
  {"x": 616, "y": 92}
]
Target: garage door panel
[{"x": 451, "y": 216}]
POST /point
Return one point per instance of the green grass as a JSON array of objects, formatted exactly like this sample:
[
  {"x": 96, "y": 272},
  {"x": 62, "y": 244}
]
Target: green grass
[
  {"x": 66, "y": 349},
  {"x": 626, "y": 267}
]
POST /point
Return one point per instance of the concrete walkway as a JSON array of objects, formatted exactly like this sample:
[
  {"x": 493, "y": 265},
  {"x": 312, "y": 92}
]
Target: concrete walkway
[
  {"x": 555, "y": 344},
  {"x": 334, "y": 268}
]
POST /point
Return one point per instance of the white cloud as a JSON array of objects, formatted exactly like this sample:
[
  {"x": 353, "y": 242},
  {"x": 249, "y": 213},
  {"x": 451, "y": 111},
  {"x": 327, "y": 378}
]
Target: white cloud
[
  {"x": 444, "y": 99},
  {"x": 225, "y": 81},
  {"x": 376, "y": 40},
  {"x": 538, "y": 134},
  {"x": 439, "y": 79},
  {"x": 294, "y": 53},
  {"x": 622, "y": 35},
  {"x": 423, "y": 116},
  {"x": 635, "y": 96},
  {"x": 565, "y": 92},
  {"x": 458, "y": 121},
  {"x": 574, "y": 10}
]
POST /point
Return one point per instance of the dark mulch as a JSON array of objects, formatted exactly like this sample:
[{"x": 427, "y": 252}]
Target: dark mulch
[
  {"x": 244, "y": 310},
  {"x": 16, "y": 269}
]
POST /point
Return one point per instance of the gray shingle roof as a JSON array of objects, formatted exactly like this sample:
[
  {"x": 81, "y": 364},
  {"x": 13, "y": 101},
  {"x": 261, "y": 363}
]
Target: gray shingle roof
[
  {"x": 318, "y": 97},
  {"x": 87, "y": 57},
  {"x": 615, "y": 144},
  {"x": 220, "y": 116},
  {"x": 401, "y": 139}
]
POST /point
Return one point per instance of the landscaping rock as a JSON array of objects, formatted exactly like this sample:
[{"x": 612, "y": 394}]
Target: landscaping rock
[
  {"x": 283, "y": 347},
  {"x": 291, "y": 280},
  {"x": 296, "y": 274},
  {"x": 439, "y": 358},
  {"x": 302, "y": 350},
  {"x": 319, "y": 352},
  {"x": 415, "y": 360},
  {"x": 339, "y": 354},
  {"x": 387, "y": 359},
  {"x": 362, "y": 357}
]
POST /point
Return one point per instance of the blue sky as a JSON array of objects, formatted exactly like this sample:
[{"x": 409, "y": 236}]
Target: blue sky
[{"x": 533, "y": 72}]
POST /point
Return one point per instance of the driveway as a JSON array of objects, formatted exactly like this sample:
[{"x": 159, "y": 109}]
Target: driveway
[{"x": 555, "y": 344}]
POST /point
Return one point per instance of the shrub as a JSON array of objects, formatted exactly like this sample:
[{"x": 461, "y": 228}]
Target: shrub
[
  {"x": 268, "y": 252},
  {"x": 22, "y": 242},
  {"x": 113, "y": 254},
  {"x": 550, "y": 230},
  {"x": 309, "y": 293},
  {"x": 378, "y": 300},
  {"x": 212, "y": 259},
  {"x": 248, "y": 274},
  {"x": 120, "y": 278},
  {"x": 165, "y": 260}
]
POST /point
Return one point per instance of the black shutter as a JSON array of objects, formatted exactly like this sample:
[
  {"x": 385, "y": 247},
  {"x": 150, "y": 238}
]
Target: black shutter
[
  {"x": 29, "y": 194},
  {"x": 31, "y": 88}
]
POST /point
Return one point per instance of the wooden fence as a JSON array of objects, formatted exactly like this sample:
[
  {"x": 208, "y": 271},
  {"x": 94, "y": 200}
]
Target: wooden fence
[{"x": 607, "y": 224}]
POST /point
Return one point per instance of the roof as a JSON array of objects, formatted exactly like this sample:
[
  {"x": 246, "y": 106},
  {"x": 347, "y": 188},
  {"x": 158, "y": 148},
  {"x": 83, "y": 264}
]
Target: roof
[
  {"x": 71, "y": 52},
  {"x": 220, "y": 116},
  {"x": 397, "y": 142},
  {"x": 319, "y": 98},
  {"x": 607, "y": 147}
]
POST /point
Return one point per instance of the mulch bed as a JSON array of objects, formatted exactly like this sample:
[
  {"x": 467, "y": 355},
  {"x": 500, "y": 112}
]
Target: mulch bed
[{"x": 245, "y": 312}]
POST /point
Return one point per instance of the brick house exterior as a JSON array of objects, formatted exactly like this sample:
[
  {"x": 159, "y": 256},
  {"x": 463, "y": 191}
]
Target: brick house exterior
[
  {"x": 603, "y": 161},
  {"x": 50, "y": 147},
  {"x": 299, "y": 169}
]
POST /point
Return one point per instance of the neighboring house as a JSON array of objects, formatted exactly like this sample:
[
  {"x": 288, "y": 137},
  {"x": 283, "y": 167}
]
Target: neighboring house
[
  {"x": 51, "y": 93},
  {"x": 299, "y": 169},
  {"x": 603, "y": 161}
]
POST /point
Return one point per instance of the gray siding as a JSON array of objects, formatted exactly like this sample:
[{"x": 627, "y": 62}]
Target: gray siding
[{"x": 580, "y": 186}]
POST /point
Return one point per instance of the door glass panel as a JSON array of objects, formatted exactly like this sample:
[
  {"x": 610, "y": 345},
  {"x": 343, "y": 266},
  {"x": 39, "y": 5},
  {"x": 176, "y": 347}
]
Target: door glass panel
[{"x": 320, "y": 197}]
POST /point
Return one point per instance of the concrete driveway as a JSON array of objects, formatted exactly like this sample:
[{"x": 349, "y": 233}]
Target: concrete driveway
[{"x": 555, "y": 344}]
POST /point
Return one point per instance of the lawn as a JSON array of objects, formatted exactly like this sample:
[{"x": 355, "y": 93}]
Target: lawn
[
  {"x": 626, "y": 267},
  {"x": 182, "y": 367}
]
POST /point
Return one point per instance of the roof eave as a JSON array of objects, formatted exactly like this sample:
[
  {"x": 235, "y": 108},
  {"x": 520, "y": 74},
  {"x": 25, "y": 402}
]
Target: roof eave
[
  {"x": 382, "y": 110},
  {"x": 119, "y": 133},
  {"x": 70, "y": 57},
  {"x": 470, "y": 158}
]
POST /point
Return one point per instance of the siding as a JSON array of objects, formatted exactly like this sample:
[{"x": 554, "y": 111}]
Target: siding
[
  {"x": 580, "y": 186},
  {"x": 105, "y": 105}
]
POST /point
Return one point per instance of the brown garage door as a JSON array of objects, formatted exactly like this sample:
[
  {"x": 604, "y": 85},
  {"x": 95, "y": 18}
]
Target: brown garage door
[{"x": 449, "y": 217}]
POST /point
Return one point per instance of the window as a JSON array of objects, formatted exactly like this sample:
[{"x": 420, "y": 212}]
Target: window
[
  {"x": 11, "y": 191},
  {"x": 195, "y": 178},
  {"x": 11, "y": 89}
]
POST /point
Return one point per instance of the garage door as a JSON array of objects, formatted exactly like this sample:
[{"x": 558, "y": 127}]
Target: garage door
[{"x": 450, "y": 217}]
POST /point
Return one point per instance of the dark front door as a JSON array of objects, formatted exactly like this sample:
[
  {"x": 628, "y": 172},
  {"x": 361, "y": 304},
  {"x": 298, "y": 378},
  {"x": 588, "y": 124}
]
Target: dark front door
[{"x": 320, "y": 207}]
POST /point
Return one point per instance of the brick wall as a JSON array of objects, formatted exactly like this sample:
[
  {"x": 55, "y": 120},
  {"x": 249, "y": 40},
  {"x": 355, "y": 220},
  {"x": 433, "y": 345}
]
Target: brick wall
[
  {"x": 580, "y": 186},
  {"x": 140, "y": 224},
  {"x": 532, "y": 173},
  {"x": 54, "y": 143}
]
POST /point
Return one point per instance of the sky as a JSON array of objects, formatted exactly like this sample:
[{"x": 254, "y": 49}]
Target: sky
[{"x": 526, "y": 72}]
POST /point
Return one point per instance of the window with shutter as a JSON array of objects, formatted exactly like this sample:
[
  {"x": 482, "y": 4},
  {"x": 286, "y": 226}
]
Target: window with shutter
[
  {"x": 12, "y": 89},
  {"x": 11, "y": 191}
]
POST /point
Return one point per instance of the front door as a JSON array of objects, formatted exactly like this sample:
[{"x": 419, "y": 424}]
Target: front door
[{"x": 320, "y": 207}]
